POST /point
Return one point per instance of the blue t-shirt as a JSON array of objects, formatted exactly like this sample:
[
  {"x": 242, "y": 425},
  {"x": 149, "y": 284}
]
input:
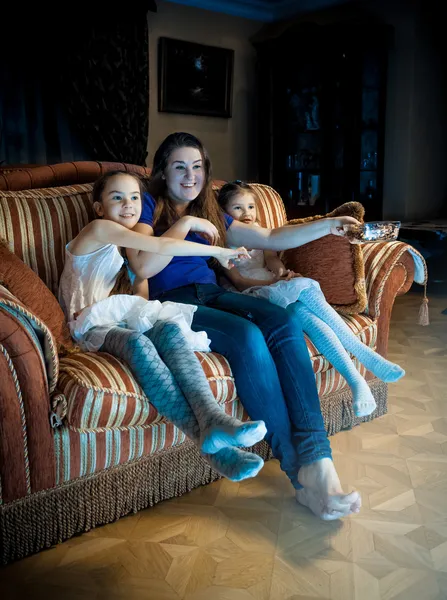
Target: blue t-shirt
[{"x": 182, "y": 270}]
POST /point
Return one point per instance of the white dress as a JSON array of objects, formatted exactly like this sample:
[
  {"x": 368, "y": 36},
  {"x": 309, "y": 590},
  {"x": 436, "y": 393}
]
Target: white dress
[
  {"x": 281, "y": 293},
  {"x": 85, "y": 285}
]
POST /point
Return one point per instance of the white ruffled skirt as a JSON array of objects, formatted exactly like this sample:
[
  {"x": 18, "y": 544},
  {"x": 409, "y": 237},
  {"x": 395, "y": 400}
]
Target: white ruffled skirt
[
  {"x": 283, "y": 292},
  {"x": 89, "y": 330}
]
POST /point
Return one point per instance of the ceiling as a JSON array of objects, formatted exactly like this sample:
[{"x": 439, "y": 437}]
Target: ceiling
[{"x": 260, "y": 10}]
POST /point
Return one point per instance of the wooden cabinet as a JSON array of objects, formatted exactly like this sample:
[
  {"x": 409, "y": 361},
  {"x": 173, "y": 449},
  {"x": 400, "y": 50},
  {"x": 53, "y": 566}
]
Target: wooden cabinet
[{"x": 321, "y": 114}]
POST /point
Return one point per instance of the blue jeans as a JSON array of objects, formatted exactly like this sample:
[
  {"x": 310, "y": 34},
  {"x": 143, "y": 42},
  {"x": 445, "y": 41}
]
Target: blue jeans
[{"x": 265, "y": 347}]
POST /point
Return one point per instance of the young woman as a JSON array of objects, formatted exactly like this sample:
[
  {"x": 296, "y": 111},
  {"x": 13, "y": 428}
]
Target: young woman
[{"x": 263, "y": 342}]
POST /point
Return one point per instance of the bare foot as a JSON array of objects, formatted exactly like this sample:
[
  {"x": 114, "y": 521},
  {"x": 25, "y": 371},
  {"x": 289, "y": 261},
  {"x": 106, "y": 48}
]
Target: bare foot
[{"x": 322, "y": 492}]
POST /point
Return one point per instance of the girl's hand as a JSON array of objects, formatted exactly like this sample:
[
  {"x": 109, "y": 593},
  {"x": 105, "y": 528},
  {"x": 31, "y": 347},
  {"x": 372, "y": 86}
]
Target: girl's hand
[
  {"x": 336, "y": 225},
  {"x": 205, "y": 227},
  {"x": 279, "y": 271},
  {"x": 76, "y": 314},
  {"x": 290, "y": 275},
  {"x": 228, "y": 255},
  {"x": 275, "y": 264}
]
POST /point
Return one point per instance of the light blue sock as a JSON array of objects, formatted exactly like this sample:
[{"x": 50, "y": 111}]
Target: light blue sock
[
  {"x": 215, "y": 437},
  {"x": 385, "y": 370},
  {"x": 330, "y": 346},
  {"x": 218, "y": 430},
  {"x": 154, "y": 377},
  {"x": 165, "y": 394},
  {"x": 235, "y": 464}
]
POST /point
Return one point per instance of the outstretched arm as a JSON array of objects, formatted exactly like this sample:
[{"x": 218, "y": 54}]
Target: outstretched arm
[
  {"x": 101, "y": 232},
  {"x": 148, "y": 264},
  {"x": 288, "y": 236}
]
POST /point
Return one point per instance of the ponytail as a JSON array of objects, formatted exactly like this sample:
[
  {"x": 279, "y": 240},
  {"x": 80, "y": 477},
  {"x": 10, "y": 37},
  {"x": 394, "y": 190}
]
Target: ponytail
[{"x": 122, "y": 283}]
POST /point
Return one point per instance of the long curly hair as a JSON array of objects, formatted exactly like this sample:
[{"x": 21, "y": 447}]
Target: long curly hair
[
  {"x": 123, "y": 284},
  {"x": 204, "y": 206}
]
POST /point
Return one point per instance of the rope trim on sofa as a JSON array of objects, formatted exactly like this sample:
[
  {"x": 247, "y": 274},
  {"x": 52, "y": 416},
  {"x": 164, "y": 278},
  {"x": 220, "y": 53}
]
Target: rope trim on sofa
[{"x": 22, "y": 419}]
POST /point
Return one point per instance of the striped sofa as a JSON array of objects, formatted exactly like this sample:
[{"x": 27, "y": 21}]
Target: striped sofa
[{"x": 81, "y": 443}]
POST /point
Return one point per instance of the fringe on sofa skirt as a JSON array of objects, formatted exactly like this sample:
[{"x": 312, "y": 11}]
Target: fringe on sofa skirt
[
  {"x": 337, "y": 408},
  {"x": 52, "y": 516}
]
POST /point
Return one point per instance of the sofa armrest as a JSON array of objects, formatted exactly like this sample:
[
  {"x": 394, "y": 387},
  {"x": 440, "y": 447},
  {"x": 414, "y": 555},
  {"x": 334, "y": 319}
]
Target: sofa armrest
[
  {"x": 29, "y": 372},
  {"x": 46, "y": 341},
  {"x": 389, "y": 272}
]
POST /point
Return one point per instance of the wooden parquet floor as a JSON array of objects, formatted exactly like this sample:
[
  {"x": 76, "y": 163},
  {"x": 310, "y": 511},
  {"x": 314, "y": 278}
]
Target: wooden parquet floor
[{"x": 252, "y": 542}]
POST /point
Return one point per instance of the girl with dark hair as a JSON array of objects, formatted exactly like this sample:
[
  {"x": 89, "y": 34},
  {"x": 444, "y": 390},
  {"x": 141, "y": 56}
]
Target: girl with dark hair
[
  {"x": 161, "y": 356},
  {"x": 264, "y": 275}
]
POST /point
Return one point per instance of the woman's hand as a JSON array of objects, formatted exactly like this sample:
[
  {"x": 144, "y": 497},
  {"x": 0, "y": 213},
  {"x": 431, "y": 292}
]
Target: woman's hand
[
  {"x": 337, "y": 225},
  {"x": 229, "y": 254},
  {"x": 203, "y": 226}
]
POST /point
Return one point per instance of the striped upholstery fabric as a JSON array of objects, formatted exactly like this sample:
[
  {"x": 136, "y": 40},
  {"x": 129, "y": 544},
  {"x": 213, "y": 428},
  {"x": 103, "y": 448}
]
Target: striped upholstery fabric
[
  {"x": 101, "y": 392},
  {"x": 380, "y": 259},
  {"x": 39, "y": 223},
  {"x": 26, "y": 177},
  {"x": 363, "y": 327},
  {"x": 83, "y": 453},
  {"x": 330, "y": 381},
  {"x": 271, "y": 211},
  {"x": 80, "y": 453}
]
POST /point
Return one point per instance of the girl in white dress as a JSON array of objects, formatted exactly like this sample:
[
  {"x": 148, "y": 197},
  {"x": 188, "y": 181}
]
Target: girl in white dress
[
  {"x": 265, "y": 276},
  {"x": 107, "y": 312}
]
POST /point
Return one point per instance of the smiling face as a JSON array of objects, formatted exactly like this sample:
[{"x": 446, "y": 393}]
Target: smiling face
[
  {"x": 184, "y": 175},
  {"x": 120, "y": 201},
  {"x": 242, "y": 207}
]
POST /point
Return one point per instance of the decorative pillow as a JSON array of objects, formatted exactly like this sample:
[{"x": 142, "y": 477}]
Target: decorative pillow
[
  {"x": 21, "y": 281},
  {"x": 335, "y": 263}
]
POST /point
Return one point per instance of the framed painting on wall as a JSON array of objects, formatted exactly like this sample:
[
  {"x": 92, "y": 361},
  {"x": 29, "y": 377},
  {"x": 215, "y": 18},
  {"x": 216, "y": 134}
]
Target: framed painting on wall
[{"x": 194, "y": 78}]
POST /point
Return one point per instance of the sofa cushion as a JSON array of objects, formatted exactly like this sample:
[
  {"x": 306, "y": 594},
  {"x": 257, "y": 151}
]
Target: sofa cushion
[
  {"x": 100, "y": 391},
  {"x": 79, "y": 453},
  {"x": 362, "y": 326},
  {"x": 27, "y": 287},
  {"x": 324, "y": 257}
]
